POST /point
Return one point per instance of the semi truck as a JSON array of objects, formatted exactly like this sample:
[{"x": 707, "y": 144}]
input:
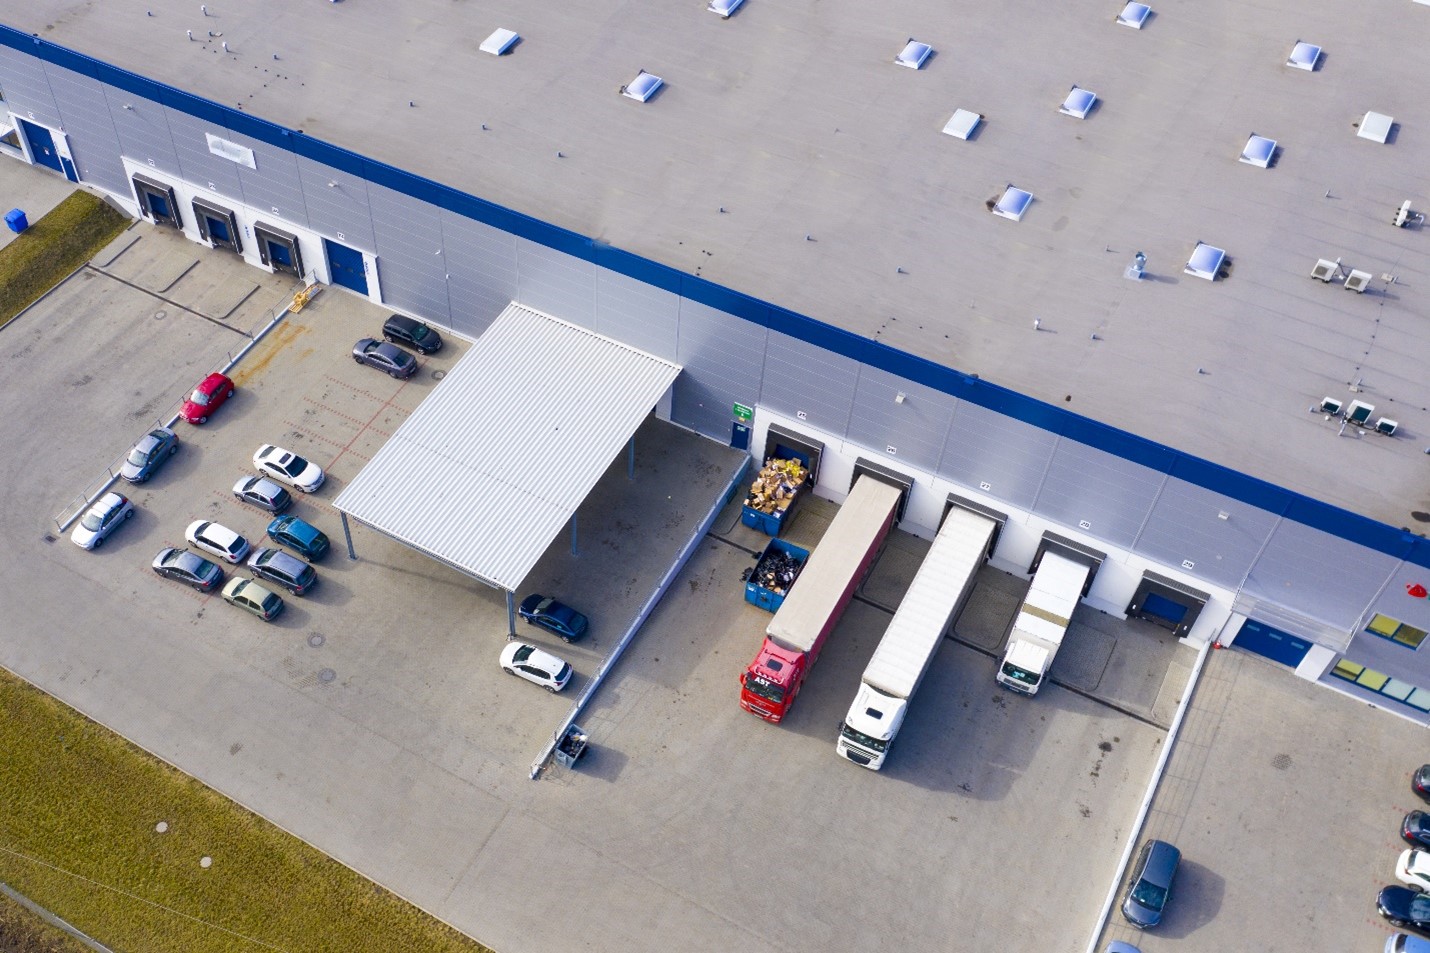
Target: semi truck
[
  {"x": 813, "y": 607},
  {"x": 935, "y": 598},
  {"x": 1041, "y": 622}
]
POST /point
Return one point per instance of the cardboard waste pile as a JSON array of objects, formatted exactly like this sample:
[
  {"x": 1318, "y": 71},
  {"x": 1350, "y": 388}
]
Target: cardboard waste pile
[{"x": 776, "y": 485}]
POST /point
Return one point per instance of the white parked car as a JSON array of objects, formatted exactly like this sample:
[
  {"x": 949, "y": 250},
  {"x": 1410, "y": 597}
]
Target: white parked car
[
  {"x": 101, "y": 519},
  {"x": 534, "y": 665},
  {"x": 1413, "y": 868},
  {"x": 217, "y": 539},
  {"x": 289, "y": 468}
]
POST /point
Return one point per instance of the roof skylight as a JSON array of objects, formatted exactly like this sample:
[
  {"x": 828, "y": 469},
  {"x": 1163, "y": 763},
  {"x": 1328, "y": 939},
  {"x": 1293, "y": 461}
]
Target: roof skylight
[
  {"x": 1134, "y": 14},
  {"x": 913, "y": 54},
  {"x": 643, "y": 87},
  {"x": 1013, "y": 203},
  {"x": 962, "y": 124},
  {"x": 1304, "y": 56},
  {"x": 1205, "y": 261},
  {"x": 1079, "y": 103},
  {"x": 499, "y": 42},
  {"x": 1375, "y": 127},
  {"x": 1258, "y": 151},
  {"x": 723, "y": 8}
]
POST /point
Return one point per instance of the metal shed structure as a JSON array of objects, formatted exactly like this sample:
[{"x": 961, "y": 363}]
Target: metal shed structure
[{"x": 488, "y": 469}]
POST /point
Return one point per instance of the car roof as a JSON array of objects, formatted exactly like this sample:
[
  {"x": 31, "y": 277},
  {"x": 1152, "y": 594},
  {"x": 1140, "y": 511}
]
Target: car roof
[
  {"x": 213, "y": 379},
  {"x": 108, "y": 501},
  {"x": 272, "y": 556},
  {"x": 297, "y": 527},
  {"x": 401, "y": 321},
  {"x": 1162, "y": 860}
]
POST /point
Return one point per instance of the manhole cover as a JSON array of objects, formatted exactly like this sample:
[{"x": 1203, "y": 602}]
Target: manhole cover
[
  {"x": 49, "y": 538},
  {"x": 160, "y": 315},
  {"x": 327, "y": 675},
  {"x": 1281, "y": 762},
  {"x": 316, "y": 639},
  {"x": 438, "y": 375}
]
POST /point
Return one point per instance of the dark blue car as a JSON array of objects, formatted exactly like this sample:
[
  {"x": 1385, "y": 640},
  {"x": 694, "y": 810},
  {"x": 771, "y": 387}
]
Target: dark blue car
[
  {"x": 555, "y": 617},
  {"x": 297, "y": 535}
]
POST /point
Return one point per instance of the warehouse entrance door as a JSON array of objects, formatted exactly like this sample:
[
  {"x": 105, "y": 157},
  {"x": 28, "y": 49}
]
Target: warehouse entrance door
[
  {"x": 346, "y": 267},
  {"x": 1271, "y": 643},
  {"x": 42, "y": 146}
]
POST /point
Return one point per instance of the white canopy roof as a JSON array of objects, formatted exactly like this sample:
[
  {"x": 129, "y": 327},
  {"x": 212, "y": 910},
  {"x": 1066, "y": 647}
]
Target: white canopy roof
[{"x": 493, "y": 463}]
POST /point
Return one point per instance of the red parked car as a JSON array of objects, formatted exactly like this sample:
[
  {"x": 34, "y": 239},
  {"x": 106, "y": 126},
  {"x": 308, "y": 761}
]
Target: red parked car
[{"x": 206, "y": 398}]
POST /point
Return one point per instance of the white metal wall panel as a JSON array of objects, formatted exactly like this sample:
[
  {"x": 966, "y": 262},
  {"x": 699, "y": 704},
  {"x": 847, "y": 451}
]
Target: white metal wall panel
[
  {"x": 26, "y": 92},
  {"x": 1186, "y": 525},
  {"x": 143, "y": 131},
  {"x": 914, "y": 428},
  {"x": 941, "y": 585},
  {"x": 489, "y": 468},
  {"x": 1298, "y": 568},
  {"x": 1111, "y": 495},
  {"x": 198, "y": 164},
  {"x": 557, "y": 283},
  {"x": 411, "y": 256},
  {"x": 337, "y": 203},
  {"x": 482, "y": 263},
  {"x": 801, "y": 378},
  {"x": 985, "y": 447},
  {"x": 722, "y": 359},
  {"x": 642, "y": 315},
  {"x": 93, "y": 143}
]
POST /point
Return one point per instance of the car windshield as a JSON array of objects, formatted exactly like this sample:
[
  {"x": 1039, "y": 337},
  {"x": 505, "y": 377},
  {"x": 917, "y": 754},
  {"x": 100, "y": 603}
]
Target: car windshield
[
  {"x": 565, "y": 672},
  {"x": 1021, "y": 675},
  {"x": 1420, "y": 908},
  {"x": 295, "y": 464},
  {"x": 199, "y": 397},
  {"x": 1149, "y": 895},
  {"x": 861, "y": 739},
  {"x": 92, "y": 521},
  {"x": 139, "y": 455},
  {"x": 764, "y": 689},
  {"x": 421, "y": 333},
  {"x": 523, "y": 653}
]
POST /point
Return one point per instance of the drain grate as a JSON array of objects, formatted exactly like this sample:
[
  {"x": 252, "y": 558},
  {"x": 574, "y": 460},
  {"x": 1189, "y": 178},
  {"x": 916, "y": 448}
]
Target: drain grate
[
  {"x": 316, "y": 640},
  {"x": 1281, "y": 762}
]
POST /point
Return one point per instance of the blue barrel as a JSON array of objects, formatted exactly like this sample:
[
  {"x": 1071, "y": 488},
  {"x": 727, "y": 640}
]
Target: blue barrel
[{"x": 16, "y": 220}]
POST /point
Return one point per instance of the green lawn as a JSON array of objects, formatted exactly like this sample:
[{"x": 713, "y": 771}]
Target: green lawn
[
  {"x": 78, "y": 809},
  {"x": 43, "y": 254}
]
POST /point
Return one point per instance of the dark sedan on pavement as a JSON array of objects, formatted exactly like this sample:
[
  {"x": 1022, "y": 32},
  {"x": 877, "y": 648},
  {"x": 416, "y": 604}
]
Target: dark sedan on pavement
[
  {"x": 1415, "y": 829},
  {"x": 388, "y": 358},
  {"x": 555, "y": 617},
  {"x": 1405, "y": 907},
  {"x": 416, "y": 335},
  {"x": 188, "y": 568},
  {"x": 1420, "y": 781},
  {"x": 149, "y": 454}
]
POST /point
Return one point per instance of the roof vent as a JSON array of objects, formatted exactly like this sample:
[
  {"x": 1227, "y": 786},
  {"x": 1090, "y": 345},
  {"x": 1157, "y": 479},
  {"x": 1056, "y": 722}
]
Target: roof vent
[
  {"x": 1304, "y": 56},
  {"x": 723, "y": 8},
  {"x": 1079, "y": 103},
  {"x": 1258, "y": 151},
  {"x": 962, "y": 124},
  {"x": 1205, "y": 261},
  {"x": 1013, "y": 203},
  {"x": 499, "y": 42},
  {"x": 643, "y": 87},
  {"x": 913, "y": 54},
  {"x": 1134, "y": 15},
  {"x": 1375, "y": 127}
]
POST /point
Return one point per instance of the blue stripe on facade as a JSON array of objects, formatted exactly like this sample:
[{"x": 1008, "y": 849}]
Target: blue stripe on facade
[{"x": 1217, "y": 479}]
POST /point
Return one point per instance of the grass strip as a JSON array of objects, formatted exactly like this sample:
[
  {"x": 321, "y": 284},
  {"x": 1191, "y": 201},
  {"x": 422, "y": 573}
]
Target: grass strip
[
  {"x": 22, "y": 931},
  {"x": 42, "y": 255},
  {"x": 77, "y": 836}
]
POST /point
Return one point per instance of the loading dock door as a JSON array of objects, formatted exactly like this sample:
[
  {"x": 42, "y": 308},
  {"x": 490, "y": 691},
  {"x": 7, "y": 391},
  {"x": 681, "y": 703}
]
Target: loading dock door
[
  {"x": 1167, "y": 603},
  {"x": 1271, "y": 643},
  {"x": 278, "y": 249},
  {"x": 218, "y": 225},
  {"x": 346, "y": 267},
  {"x": 42, "y": 146},
  {"x": 157, "y": 202}
]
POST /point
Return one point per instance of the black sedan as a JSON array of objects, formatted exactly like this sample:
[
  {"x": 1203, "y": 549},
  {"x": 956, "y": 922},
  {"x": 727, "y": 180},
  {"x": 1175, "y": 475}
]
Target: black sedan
[
  {"x": 1415, "y": 829},
  {"x": 1404, "y": 907},
  {"x": 388, "y": 358},
  {"x": 555, "y": 617},
  {"x": 416, "y": 335},
  {"x": 1420, "y": 781},
  {"x": 188, "y": 568}
]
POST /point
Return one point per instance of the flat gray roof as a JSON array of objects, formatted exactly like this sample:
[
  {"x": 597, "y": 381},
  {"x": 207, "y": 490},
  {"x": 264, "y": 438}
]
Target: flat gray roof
[
  {"x": 497, "y": 459},
  {"x": 793, "y": 117}
]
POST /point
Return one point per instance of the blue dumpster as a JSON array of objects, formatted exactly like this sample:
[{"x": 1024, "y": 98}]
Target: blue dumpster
[{"x": 16, "y": 220}]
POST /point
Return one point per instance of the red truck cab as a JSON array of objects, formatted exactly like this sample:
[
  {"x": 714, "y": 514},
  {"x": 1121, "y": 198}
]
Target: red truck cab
[{"x": 769, "y": 685}]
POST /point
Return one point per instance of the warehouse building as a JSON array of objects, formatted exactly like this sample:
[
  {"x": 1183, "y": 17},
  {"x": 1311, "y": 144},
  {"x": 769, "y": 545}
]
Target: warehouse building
[{"x": 1115, "y": 317}]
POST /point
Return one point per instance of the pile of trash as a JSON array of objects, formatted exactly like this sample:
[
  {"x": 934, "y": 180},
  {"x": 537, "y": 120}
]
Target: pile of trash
[
  {"x": 776, "y": 485},
  {"x": 777, "y": 571}
]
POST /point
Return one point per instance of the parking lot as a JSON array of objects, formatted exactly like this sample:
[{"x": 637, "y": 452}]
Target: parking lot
[{"x": 372, "y": 720}]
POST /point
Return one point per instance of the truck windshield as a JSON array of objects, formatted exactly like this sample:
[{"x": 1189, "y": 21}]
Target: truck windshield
[
  {"x": 1021, "y": 675},
  {"x": 861, "y": 739},
  {"x": 763, "y": 689}
]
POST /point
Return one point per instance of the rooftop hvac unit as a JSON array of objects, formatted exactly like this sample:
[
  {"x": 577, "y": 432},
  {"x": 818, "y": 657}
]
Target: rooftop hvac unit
[
  {"x": 1325, "y": 270},
  {"x": 1386, "y": 426},
  {"x": 1329, "y": 405},
  {"x": 1358, "y": 281},
  {"x": 1359, "y": 412}
]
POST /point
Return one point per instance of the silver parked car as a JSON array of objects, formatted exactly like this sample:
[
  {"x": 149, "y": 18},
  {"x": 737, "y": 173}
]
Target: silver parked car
[
  {"x": 149, "y": 454},
  {"x": 388, "y": 358},
  {"x": 262, "y": 493},
  {"x": 101, "y": 519}
]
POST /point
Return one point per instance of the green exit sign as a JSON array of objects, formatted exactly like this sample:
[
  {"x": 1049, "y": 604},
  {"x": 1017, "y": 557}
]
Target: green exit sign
[{"x": 743, "y": 414}]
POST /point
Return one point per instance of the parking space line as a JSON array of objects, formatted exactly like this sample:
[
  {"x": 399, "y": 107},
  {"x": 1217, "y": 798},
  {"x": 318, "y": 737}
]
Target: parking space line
[
  {"x": 386, "y": 404},
  {"x": 169, "y": 301},
  {"x": 369, "y": 394},
  {"x": 313, "y": 434},
  {"x": 337, "y": 413}
]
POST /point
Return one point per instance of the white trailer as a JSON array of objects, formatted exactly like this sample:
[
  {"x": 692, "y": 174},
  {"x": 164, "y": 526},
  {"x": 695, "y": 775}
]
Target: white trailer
[
  {"x": 1042, "y": 621},
  {"x": 937, "y": 595}
]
